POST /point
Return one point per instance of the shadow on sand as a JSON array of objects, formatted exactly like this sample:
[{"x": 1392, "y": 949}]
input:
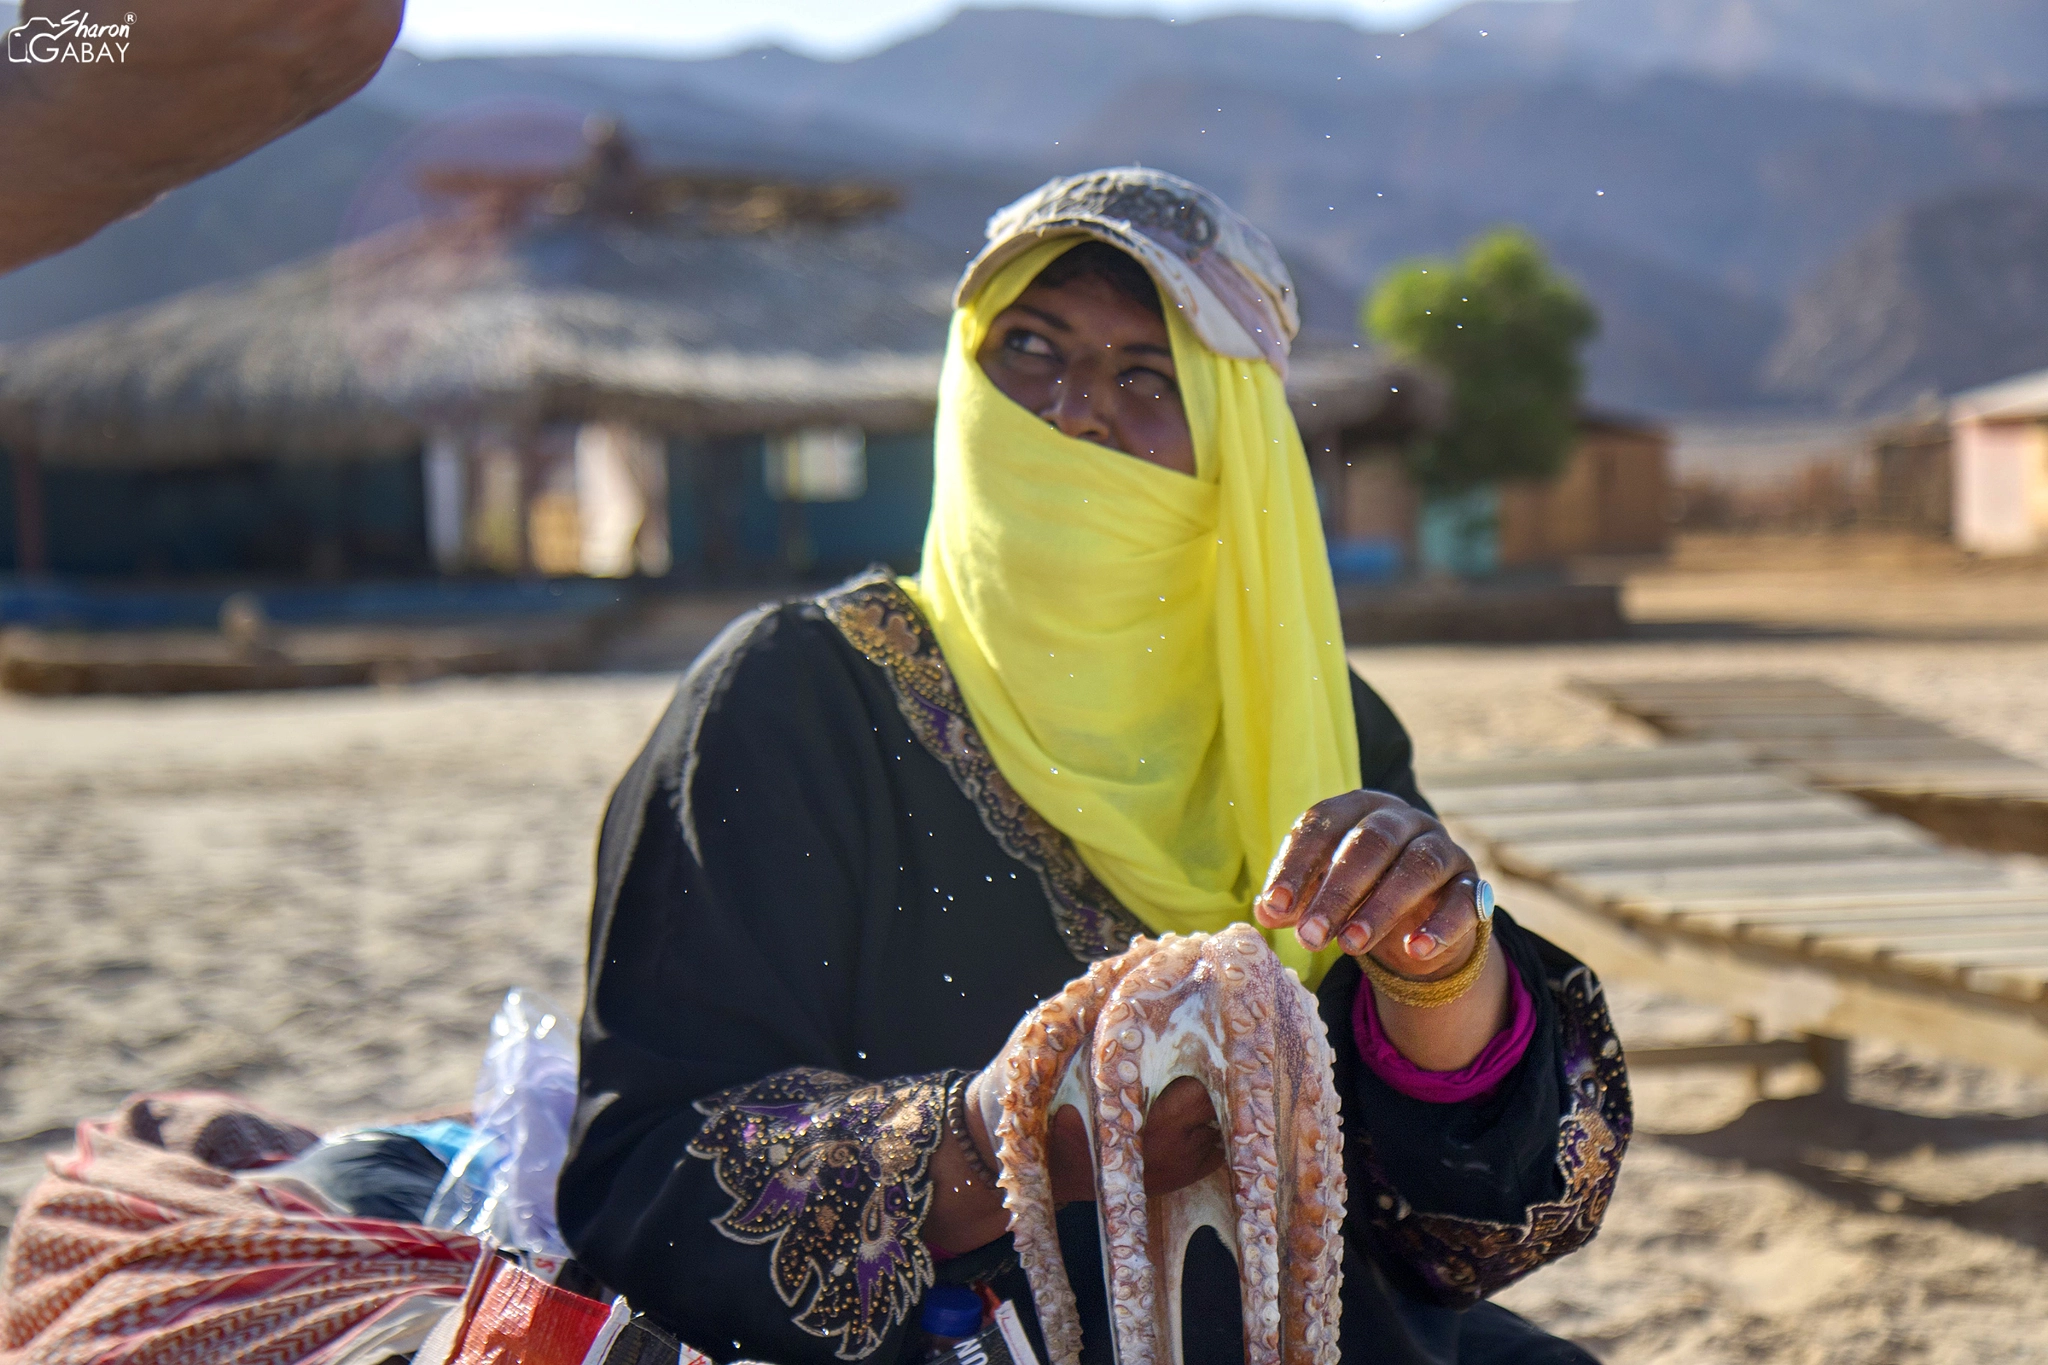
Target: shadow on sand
[{"x": 1839, "y": 1149}]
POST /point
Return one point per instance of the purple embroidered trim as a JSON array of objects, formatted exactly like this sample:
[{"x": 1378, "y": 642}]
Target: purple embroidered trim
[{"x": 830, "y": 1170}]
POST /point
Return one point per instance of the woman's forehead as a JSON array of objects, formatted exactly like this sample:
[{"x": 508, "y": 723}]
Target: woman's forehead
[{"x": 1090, "y": 306}]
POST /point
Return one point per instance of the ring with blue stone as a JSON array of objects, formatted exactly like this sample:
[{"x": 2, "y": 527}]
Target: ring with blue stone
[{"x": 1482, "y": 900}]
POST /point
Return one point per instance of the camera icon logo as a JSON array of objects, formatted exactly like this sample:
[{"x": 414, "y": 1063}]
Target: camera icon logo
[{"x": 35, "y": 40}]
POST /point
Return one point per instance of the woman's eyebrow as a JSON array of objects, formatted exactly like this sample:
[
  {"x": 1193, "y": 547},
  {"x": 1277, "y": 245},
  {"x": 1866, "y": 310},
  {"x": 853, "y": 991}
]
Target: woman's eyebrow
[
  {"x": 1147, "y": 348},
  {"x": 1053, "y": 320}
]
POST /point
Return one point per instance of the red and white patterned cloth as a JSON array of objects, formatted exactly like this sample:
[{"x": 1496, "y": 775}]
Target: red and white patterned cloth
[{"x": 148, "y": 1244}]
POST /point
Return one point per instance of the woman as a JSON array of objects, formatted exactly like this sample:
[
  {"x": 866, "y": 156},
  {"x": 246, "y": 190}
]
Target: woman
[{"x": 874, "y": 828}]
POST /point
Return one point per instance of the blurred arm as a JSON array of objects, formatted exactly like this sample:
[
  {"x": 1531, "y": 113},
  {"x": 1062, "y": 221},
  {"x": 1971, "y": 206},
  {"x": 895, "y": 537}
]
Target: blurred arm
[{"x": 205, "y": 83}]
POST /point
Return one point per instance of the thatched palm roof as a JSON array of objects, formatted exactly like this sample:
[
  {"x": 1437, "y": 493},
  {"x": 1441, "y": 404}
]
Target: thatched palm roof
[
  {"x": 553, "y": 301},
  {"x": 364, "y": 347}
]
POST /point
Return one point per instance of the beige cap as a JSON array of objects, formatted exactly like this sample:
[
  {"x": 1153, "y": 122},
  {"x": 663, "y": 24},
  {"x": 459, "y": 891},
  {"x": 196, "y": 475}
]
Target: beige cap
[{"x": 1223, "y": 272}]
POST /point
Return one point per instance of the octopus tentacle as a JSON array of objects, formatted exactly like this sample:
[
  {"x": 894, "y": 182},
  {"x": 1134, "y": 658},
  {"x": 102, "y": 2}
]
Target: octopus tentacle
[
  {"x": 1035, "y": 1068},
  {"x": 1223, "y": 1009},
  {"x": 1314, "y": 1226}
]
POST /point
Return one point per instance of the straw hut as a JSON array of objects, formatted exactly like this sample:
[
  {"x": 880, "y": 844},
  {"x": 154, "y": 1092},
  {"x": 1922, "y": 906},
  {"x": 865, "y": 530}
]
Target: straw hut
[{"x": 605, "y": 370}]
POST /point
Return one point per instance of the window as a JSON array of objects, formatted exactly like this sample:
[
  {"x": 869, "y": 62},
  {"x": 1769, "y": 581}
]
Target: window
[{"x": 818, "y": 464}]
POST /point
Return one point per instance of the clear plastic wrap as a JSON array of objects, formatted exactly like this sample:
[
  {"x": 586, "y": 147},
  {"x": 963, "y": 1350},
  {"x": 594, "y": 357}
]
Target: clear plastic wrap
[{"x": 501, "y": 1185}]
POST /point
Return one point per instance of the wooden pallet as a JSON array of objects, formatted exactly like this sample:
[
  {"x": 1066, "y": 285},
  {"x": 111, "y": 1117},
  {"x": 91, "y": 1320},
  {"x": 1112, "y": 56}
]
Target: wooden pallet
[
  {"x": 1964, "y": 790},
  {"x": 1701, "y": 843}
]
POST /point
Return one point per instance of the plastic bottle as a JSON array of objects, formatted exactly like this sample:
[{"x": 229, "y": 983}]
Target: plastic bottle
[{"x": 951, "y": 1314}]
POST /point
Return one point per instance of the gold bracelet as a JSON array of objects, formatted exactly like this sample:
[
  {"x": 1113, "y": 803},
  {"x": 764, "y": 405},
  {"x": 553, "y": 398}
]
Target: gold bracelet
[
  {"x": 956, "y": 1125},
  {"x": 1429, "y": 994}
]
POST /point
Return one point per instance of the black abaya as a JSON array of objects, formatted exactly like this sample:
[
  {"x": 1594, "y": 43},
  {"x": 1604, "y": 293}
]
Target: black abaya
[{"x": 818, "y": 902}]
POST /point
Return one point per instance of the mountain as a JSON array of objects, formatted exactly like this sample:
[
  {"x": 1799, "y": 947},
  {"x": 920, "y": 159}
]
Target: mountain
[
  {"x": 1693, "y": 187},
  {"x": 1018, "y": 79},
  {"x": 1752, "y": 187},
  {"x": 1957, "y": 53},
  {"x": 1942, "y": 296}
]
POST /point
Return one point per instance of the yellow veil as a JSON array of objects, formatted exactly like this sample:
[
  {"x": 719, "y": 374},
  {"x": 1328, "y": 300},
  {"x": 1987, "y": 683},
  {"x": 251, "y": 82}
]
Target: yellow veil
[{"x": 1154, "y": 660}]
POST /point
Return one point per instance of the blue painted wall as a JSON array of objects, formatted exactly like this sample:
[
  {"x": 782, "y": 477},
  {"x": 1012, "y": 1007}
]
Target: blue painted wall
[
  {"x": 367, "y": 519},
  {"x": 363, "y": 518},
  {"x": 724, "y": 524}
]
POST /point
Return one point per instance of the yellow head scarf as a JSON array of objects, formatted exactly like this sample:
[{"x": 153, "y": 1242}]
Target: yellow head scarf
[{"x": 1154, "y": 660}]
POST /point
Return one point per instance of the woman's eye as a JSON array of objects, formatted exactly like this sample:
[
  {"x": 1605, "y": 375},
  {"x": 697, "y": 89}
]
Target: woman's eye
[
  {"x": 1148, "y": 383},
  {"x": 1029, "y": 343}
]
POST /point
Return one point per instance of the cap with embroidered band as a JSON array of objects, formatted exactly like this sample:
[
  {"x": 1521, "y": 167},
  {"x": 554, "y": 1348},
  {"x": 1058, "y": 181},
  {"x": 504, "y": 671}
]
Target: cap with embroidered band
[{"x": 1220, "y": 271}]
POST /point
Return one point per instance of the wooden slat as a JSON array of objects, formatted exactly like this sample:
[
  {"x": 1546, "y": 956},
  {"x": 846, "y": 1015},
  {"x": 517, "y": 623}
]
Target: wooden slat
[
  {"x": 1988, "y": 944},
  {"x": 1943, "y": 749},
  {"x": 1618, "y": 821},
  {"x": 1667, "y": 688},
  {"x": 2014, "y": 982},
  {"x": 1858, "y": 874},
  {"x": 1794, "y": 925},
  {"x": 1766, "y": 730},
  {"x": 1962, "y": 968},
  {"x": 1853, "y": 743},
  {"x": 1874, "y": 839},
  {"x": 1976, "y": 954},
  {"x": 1988, "y": 780},
  {"x": 1704, "y": 705},
  {"x": 1670, "y": 760},
  {"x": 1712, "y": 837},
  {"x": 1926, "y": 929},
  {"x": 1710, "y": 906},
  {"x": 1706, "y": 789}
]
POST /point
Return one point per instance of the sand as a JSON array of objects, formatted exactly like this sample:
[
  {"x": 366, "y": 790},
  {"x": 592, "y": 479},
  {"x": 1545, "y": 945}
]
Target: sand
[{"x": 317, "y": 899}]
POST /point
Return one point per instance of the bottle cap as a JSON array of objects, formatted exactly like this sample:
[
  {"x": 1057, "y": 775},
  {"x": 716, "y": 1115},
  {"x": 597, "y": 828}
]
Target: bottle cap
[{"x": 951, "y": 1310}]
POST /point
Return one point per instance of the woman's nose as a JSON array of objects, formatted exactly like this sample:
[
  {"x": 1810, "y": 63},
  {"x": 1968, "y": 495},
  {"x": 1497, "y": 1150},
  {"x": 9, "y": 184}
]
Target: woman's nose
[{"x": 1078, "y": 409}]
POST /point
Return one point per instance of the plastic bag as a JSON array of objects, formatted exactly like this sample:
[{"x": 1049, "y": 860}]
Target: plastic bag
[{"x": 501, "y": 1185}]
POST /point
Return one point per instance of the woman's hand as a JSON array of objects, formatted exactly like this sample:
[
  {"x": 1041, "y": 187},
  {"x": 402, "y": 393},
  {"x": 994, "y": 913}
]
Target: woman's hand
[
  {"x": 1375, "y": 875},
  {"x": 1181, "y": 1141},
  {"x": 1378, "y": 876}
]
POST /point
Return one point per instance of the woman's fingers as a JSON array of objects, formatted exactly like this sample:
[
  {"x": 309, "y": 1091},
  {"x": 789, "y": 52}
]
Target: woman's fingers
[
  {"x": 1182, "y": 1141},
  {"x": 1405, "y": 897},
  {"x": 1439, "y": 941},
  {"x": 1369, "y": 852},
  {"x": 1305, "y": 854}
]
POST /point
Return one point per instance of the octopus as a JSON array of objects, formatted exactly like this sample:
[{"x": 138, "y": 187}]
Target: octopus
[{"x": 1222, "y": 1009}]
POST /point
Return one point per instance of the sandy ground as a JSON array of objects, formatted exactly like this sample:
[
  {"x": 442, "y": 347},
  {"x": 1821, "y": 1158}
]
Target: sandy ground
[{"x": 317, "y": 899}]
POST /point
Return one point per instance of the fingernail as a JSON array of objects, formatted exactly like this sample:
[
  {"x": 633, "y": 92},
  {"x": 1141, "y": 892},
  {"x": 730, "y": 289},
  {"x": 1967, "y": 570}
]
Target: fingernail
[
  {"x": 1422, "y": 944},
  {"x": 1278, "y": 900},
  {"x": 1353, "y": 939},
  {"x": 1312, "y": 935}
]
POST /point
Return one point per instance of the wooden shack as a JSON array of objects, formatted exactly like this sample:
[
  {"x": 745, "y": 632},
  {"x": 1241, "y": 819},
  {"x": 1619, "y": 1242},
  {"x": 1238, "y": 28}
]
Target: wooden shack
[
  {"x": 1912, "y": 476},
  {"x": 1999, "y": 454},
  {"x": 1613, "y": 497}
]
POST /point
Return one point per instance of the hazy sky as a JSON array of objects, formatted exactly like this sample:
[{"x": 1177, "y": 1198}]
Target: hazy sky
[{"x": 821, "y": 27}]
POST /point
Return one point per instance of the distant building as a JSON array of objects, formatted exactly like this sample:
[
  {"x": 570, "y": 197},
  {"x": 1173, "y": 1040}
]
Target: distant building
[
  {"x": 1912, "y": 474},
  {"x": 605, "y": 370},
  {"x": 1613, "y": 497},
  {"x": 2000, "y": 466}
]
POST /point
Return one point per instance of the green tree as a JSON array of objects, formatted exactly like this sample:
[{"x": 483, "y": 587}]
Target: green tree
[{"x": 1505, "y": 329}]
